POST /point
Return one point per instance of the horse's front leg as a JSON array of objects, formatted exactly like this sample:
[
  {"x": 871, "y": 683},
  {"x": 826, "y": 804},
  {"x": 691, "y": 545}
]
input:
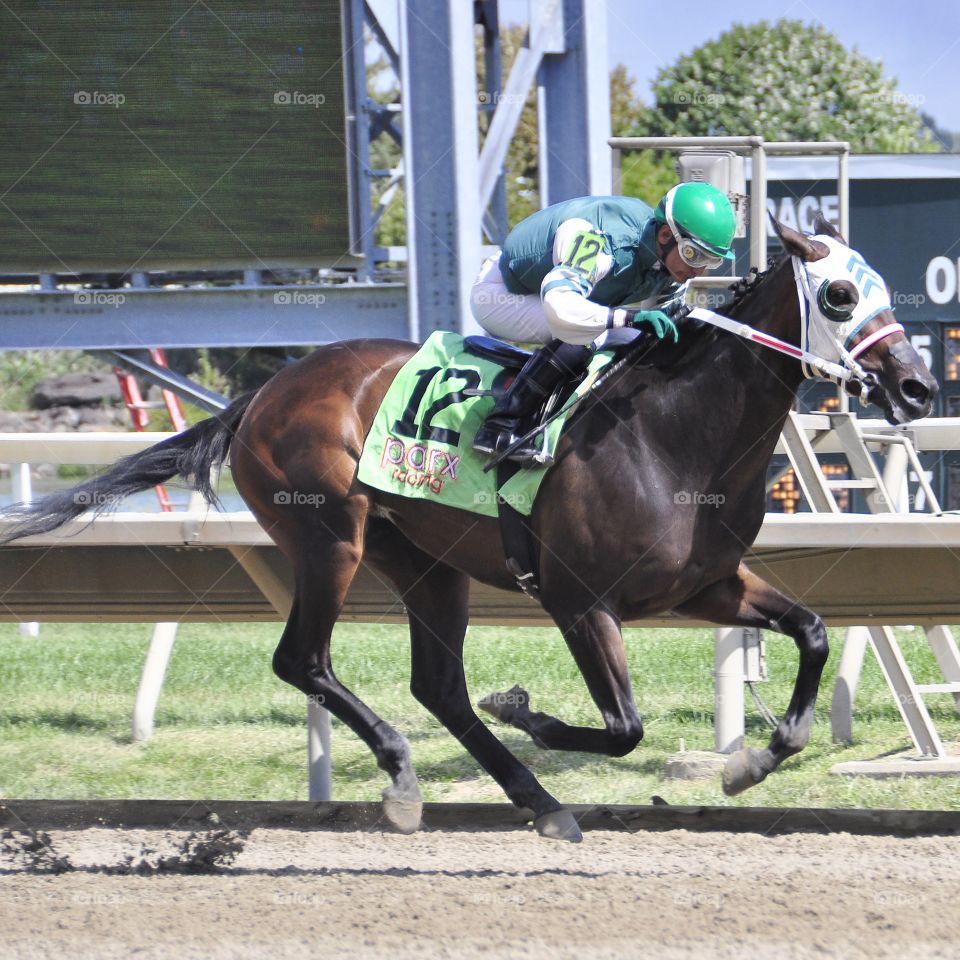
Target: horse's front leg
[
  {"x": 595, "y": 640},
  {"x": 744, "y": 600}
]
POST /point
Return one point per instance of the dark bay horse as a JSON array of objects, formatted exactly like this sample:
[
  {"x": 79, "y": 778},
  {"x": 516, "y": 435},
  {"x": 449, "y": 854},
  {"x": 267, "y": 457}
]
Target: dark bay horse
[{"x": 657, "y": 492}]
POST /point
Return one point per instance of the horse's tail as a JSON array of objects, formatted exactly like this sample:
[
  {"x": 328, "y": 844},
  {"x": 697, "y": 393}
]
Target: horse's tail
[{"x": 191, "y": 455}]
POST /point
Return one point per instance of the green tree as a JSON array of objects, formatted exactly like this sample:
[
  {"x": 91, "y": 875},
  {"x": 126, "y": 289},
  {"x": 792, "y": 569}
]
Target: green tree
[
  {"x": 646, "y": 174},
  {"x": 627, "y": 111},
  {"x": 522, "y": 162},
  {"x": 786, "y": 81}
]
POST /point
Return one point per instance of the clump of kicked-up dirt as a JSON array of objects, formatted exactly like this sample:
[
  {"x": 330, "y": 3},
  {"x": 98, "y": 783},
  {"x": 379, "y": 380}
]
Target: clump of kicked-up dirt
[{"x": 207, "y": 852}]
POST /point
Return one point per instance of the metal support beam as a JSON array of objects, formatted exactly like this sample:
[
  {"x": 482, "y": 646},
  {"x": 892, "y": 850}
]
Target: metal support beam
[
  {"x": 168, "y": 379},
  {"x": 845, "y": 686},
  {"x": 383, "y": 23},
  {"x": 574, "y": 159},
  {"x": 908, "y": 698},
  {"x": 495, "y": 222},
  {"x": 296, "y": 315},
  {"x": 806, "y": 468},
  {"x": 542, "y": 38},
  {"x": 440, "y": 158},
  {"x": 151, "y": 680},
  {"x": 945, "y": 650},
  {"x": 358, "y": 132},
  {"x": 22, "y": 483},
  {"x": 758, "y": 209},
  {"x": 728, "y": 722}
]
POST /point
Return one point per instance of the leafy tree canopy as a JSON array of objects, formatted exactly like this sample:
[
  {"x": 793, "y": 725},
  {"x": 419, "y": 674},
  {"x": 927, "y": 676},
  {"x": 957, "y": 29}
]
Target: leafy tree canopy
[{"x": 786, "y": 81}]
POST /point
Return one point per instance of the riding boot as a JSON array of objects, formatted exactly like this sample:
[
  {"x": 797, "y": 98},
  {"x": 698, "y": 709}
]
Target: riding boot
[{"x": 515, "y": 411}]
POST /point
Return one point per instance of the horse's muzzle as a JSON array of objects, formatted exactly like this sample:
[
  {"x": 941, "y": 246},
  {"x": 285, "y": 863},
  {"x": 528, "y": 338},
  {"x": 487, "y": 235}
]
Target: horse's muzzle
[{"x": 909, "y": 387}]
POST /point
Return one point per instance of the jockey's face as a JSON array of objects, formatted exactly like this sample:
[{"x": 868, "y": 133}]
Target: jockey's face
[{"x": 680, "y": 271}]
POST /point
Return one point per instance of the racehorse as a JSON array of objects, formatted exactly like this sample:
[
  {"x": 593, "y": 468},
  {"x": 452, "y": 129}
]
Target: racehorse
[{"x": 656, "y": 494}]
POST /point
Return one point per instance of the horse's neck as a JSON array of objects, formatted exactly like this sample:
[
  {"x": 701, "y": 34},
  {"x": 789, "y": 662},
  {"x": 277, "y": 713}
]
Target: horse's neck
[
  {"x": 774, "y": 309},
  {"x": 770, "y": 379},
  {"x": 729, "y": 396}
]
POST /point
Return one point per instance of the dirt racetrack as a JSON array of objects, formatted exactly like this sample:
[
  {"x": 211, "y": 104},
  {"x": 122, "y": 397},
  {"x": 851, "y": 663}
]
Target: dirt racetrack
[{"x": 490, "y": 894}]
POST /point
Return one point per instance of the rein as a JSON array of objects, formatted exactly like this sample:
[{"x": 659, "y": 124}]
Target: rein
[{"x": 850, "y": 371}]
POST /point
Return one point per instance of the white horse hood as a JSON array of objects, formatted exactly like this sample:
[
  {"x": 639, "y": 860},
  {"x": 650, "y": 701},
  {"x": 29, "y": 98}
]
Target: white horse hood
[{"x": 822, "y": 335}]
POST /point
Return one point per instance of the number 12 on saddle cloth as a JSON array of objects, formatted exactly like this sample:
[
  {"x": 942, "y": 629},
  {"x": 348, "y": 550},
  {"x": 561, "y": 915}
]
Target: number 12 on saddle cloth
[{"x": 420, "y": 443}]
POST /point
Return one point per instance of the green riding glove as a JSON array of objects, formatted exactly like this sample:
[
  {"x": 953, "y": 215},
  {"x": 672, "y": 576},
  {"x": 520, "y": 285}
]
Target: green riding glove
[{"x": 662, "y": 324}]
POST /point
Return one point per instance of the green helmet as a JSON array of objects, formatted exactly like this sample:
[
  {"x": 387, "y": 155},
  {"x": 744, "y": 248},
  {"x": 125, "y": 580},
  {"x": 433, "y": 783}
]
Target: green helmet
[{"x": 702, "y": 213}]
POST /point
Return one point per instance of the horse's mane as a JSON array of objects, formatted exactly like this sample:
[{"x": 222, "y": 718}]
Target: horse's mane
[
  {"x": 695, "y": 334},
  {"x": 747, "y": 286}
]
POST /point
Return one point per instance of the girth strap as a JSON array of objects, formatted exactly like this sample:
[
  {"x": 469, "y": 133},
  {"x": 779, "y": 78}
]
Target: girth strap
[{"x": 517, "y": 536}]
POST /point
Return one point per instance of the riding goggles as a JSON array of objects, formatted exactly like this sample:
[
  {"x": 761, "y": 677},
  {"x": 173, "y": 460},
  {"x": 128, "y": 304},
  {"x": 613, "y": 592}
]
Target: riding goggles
[{"x": 694, "y": 255}]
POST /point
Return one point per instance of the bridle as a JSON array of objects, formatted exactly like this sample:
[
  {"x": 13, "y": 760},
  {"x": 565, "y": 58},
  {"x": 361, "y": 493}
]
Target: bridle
[{"x": 820, "y": 323}]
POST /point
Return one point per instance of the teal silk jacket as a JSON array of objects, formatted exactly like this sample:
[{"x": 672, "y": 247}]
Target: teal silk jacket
[{"x": 629, "y": 228}]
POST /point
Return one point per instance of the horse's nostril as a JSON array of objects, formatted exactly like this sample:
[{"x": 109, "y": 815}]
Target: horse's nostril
[{"x": 915, "y": 391}]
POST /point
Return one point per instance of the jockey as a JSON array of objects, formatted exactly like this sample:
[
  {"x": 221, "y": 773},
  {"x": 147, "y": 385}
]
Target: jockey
[{"x": 563, "y": 274}]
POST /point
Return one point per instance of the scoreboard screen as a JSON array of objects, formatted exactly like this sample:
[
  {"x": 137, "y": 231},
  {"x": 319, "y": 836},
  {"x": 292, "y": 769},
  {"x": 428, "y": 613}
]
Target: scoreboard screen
[{"x": 171, "y": 134}]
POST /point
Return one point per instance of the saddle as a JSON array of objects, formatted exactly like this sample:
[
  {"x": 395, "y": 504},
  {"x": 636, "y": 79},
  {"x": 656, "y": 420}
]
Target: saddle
[{"x": 506, "y": 354}]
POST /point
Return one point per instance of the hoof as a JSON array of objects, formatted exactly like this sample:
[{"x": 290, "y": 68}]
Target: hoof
[
  {"x": 559, "y": 825},
  {"x": 505, "y": 705},
  {"x": 738, "y": 773},
  {"x": 403, "y": 810}
]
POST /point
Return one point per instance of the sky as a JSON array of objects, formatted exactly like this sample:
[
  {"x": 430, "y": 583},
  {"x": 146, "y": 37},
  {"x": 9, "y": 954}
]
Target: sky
[{"x": 918, "y": 41}]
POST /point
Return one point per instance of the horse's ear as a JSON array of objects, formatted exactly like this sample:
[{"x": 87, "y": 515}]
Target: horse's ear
[
  {"x": 799, "y": 245},
  {"x": 822, "y": 225}
]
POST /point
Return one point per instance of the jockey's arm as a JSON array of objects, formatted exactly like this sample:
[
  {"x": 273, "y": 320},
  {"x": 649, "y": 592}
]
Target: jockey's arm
[{"x": 580, "y": 262}]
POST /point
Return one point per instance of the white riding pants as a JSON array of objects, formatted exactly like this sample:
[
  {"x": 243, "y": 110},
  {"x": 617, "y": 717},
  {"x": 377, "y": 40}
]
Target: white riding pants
[
  {"x": 506, "y": 315},
  {"x": 520, "y": 317}
]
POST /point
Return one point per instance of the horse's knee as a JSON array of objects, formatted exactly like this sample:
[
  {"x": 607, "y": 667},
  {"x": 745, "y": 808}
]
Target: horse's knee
[
  {"x": 438, "y": 693},
  {"x": 816, "y": 646},
  {"x": 297, "y": 671},
  {"x": 624, "y": 735},
  {"x": 287, "y": 667}
]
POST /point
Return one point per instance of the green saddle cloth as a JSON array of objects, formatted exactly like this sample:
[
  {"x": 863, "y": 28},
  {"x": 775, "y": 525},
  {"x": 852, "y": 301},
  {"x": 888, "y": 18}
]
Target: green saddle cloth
[{"x": 420, "y": 444}]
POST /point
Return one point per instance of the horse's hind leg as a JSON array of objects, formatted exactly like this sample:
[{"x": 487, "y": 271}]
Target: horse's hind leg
[
  {"x": 303, "y": 660},
  {"x": 595, "y": 640},
  {"x": 744, "y": 600},
  {"x": 437, "y": 600}
]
